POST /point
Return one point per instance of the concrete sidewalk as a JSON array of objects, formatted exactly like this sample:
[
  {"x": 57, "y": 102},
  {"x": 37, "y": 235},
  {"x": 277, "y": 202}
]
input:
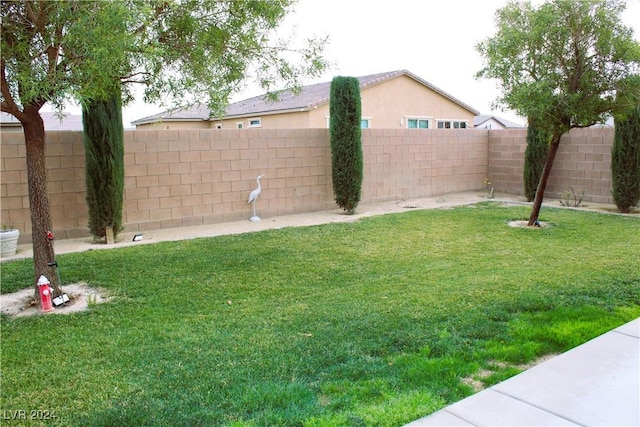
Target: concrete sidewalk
[
  {"x": 125, "y": 238},
  {"x": 595, "y": 384}
]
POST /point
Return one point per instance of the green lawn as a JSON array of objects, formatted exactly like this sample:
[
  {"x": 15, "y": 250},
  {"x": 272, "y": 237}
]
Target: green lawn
[{"x": 371, "y": 323}]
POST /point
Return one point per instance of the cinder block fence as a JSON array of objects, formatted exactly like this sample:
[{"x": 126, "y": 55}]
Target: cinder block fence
[
  {"x": 583, "y": 162},
  {"x": 179, "y": 178}
]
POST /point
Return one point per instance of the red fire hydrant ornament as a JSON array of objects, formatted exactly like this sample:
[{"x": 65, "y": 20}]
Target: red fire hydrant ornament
[{"x": 45, "y": 294}]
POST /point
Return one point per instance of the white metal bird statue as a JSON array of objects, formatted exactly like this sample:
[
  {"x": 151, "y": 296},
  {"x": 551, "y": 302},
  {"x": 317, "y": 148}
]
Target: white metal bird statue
[{"x": 253, "y": 197}]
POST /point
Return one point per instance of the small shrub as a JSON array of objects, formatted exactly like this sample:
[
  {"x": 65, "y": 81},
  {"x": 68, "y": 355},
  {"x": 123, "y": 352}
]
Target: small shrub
[
  {"x": 488, "y": 189},
  {"x": 571, "y": 198}
]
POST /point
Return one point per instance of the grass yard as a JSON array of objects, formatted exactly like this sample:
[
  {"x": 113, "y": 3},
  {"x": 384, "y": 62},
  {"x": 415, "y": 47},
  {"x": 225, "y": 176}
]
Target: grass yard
[{"x": 371, "y": 323}]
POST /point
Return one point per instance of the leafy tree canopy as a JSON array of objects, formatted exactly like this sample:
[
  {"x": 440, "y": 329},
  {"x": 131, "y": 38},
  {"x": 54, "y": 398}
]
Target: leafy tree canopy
[
  {"x": 181, "y": 51},
  {"x": 563, "y": 62}
]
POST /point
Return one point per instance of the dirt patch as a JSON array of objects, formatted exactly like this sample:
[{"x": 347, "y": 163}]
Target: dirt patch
[
  {"x": 524, "y": 224},
  {"x": 81, "y": 296},
  {"x": 476, "y": 383}
]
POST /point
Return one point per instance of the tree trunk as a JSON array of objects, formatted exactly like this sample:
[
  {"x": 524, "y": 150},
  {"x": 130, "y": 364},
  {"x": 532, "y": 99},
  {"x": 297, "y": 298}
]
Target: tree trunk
[
  {"x": 43, "y": 252},
  {"x": 542, "y": 185}
]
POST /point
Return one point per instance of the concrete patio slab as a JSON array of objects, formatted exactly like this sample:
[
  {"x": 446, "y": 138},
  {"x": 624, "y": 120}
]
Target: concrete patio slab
[
  {"x": 440, "y": 418},
  {"x": 512, "y": 412},
  {"x": 632, "y": 329},
  {"x": 597, "y": 383}
]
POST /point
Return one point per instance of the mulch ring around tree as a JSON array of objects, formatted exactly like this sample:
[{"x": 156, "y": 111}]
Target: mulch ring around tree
[{"x": 81, "y": 297}]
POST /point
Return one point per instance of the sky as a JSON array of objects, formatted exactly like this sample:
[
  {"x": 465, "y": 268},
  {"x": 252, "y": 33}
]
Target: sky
[{"x": 433, "y": 39}]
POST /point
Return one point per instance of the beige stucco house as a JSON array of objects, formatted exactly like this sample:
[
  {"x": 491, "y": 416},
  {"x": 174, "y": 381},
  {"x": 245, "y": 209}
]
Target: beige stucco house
[
  {"x": 396, "y": 99},
  {"x": 52, "y": 121}
]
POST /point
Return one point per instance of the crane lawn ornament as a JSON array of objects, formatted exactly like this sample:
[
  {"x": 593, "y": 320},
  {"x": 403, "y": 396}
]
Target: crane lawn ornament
[{"x": 252, "y": 199}]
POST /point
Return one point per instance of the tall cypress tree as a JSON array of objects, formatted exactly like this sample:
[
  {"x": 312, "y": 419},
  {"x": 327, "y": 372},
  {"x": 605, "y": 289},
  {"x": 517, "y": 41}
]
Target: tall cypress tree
[
  {"x": 104, "y": 158},
  {"x": 625, "y": 161},
  {"x": 346, "y": 141},
  {"x": 535, "y": 156}
]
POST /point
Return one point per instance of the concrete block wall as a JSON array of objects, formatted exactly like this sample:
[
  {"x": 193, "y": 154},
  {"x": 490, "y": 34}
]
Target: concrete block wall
[
  {"x": 583, "y": 162},
  {"x": 506, "y": 160},
  {"x": 177, "y": 178},
  {"x": 65, "y": 184},
  {"x": 408, "y": 163},
  {"x": 193, "y": 177}
]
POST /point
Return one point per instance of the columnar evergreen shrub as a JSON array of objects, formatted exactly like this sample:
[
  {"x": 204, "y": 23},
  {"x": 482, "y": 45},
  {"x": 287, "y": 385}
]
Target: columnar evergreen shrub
[
  {"x": 535, "y": 156},
  {"x": 104, "y": 158},
  {"x": 625, "y": 161},
  {"x": 346, "y": 142}
]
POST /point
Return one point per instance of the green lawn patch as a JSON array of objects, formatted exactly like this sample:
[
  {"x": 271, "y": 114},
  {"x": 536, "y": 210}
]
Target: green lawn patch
[{"x": 376, "y": 322}]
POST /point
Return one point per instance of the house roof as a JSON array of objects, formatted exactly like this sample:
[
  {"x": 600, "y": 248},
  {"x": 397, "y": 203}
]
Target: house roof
[
  {"x": 52, "y": 121},
  {"x": 308, "y": 98},
  {"x": 482, "y": 118},
  {"x": 8, "y": 120}
]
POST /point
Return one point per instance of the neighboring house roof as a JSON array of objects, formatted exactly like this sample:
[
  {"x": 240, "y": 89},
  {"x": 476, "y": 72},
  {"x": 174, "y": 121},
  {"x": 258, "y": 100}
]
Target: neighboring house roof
[
  {"x": 8, "y": 120},
  {"x": 308, "y": 98},
  {"x": 482, "y": 118},
  {"x": 52, "y": 121}
]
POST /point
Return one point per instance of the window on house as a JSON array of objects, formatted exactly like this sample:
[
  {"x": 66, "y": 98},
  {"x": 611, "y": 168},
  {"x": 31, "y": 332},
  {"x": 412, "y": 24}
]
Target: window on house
[
  {"x": 255, "y": 123},
  {"x": 239, "y": 125},
  {"x": 451, "y": 124},
  {"x": 417, "y": 123}
]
